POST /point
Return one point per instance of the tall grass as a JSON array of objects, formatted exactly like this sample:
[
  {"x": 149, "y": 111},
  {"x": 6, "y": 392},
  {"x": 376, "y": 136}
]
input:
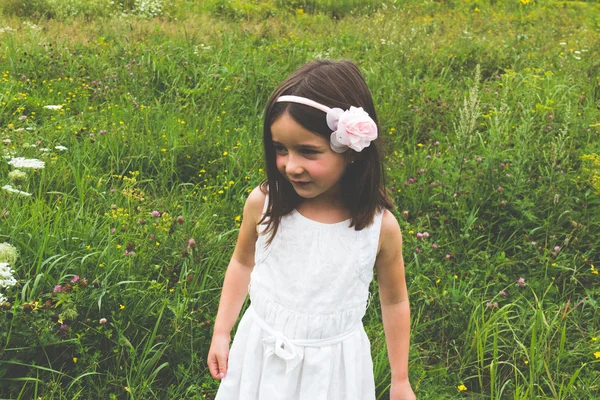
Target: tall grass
[{"x": 490, "y": 127}]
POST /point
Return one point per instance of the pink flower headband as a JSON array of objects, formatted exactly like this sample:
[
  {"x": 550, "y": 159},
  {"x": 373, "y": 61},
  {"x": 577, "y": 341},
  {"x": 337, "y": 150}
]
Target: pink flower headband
[{"x": 352, "y": 128}]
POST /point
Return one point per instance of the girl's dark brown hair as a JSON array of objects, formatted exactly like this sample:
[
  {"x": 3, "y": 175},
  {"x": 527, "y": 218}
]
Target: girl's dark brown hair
[{"x": 334, "y": 84}]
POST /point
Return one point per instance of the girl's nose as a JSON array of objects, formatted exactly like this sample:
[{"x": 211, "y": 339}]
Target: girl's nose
[{"x": 293, "y": 166}]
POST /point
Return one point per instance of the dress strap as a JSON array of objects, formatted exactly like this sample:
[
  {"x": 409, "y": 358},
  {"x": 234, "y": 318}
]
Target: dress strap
[{"x": 369, "y": 241}]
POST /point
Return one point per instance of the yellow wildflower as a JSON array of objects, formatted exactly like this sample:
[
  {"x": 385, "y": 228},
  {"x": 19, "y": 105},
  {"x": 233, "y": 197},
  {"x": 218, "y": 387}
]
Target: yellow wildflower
[{"x": 462, "y": 388}]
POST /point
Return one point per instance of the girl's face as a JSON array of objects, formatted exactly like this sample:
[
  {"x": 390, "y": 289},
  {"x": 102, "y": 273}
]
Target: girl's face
[{"x": 306, "y": 160}]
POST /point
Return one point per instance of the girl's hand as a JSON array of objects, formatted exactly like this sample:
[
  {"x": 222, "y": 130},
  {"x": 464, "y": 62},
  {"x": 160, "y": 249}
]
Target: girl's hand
[
  {"x": 401, "y": 390},
  {"x": 218, "y": 355}
]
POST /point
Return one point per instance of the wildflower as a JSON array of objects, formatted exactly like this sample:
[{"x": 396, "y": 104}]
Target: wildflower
[
  {"x": 556, "y": 249},
  {"x": 500, "y": 189},
  {"x": 594, "y": 339},
  {"x": 21, "y": 162},
  {"x": 405, "y": 214},
  {"x": 156, "y": 214},
  {"x": 6, "y": 276},
  {"x": 491, "y": 305},
  {"x": 121, "y": 306},
  {"x": 479, "y": 159},
  {"x": 503, "y": 293},
  {"x": 102, "y": 321},
  {"x": 521, "y": 282},
  {"x": 8, "y": 253},
  {"x": 426, "y": 234},
  {"x": 533, "y": 243},
  {"x": 58, "y": 289},
  {"x": 75, "y": 279},
  {"x": 434, "y": 246},
  {"x": 63, "y": 329},
  {"x": 61, "y": 148},
  {"x": 129, "y": 249},
  {"x": 417, "y": 250},
  {"x": 462, "y": 388},
  {"x": 180, "y": 220},
  {"x": 51, "y": 107},
  {"x": 419, "y": 236},
  {"x": 597, "y": 354},
  {"x": 17, "y": 175},
  {"x": 10, "y": 189},
  {"x": 191, "y": 243},
  {"x": 448, "y": 256}
]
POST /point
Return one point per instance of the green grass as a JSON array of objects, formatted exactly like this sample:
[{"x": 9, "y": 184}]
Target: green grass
[{"x": 490, "y": 123}]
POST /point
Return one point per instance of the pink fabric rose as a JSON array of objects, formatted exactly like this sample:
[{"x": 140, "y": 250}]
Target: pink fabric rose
[{"x": 353, "y": 128}]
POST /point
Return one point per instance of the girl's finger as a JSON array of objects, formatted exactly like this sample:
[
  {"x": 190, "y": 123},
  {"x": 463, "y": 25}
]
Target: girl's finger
[
  {"x": 222, "y": 368},
  {"x": 213, "y": 367}
]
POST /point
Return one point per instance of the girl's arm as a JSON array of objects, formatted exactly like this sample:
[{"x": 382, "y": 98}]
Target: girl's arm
[
  {"x": 235, "y": 286},
  {"x": 237, "y": 277},
  {"x": 394, "y": 301}
]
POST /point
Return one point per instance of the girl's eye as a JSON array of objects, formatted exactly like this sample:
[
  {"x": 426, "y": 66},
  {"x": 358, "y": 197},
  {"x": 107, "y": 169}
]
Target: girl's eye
[
  {"x": 309, "y": 152},
  {"x": 279, "y": 149}
]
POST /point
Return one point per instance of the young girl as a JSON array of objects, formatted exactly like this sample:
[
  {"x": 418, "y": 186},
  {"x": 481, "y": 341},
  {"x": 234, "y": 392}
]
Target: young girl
[{"x": 310, "y": 237}]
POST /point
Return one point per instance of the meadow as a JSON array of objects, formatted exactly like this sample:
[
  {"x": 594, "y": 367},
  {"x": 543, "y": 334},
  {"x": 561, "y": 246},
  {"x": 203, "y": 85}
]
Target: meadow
[{"x": 131, "y": 136}]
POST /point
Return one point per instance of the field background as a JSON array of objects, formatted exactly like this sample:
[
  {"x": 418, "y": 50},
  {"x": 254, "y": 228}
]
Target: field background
[{"x": 490, "y": 120}]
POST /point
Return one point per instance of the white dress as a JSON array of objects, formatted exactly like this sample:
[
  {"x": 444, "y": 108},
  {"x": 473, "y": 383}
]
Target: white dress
[{"x": 302, "y": 337}]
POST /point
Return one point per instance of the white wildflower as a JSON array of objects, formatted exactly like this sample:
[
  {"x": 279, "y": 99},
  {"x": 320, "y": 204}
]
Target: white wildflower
[
  {"x": 6, "y": 141},
  {"x": 51, "y": 107},
  {"x": 563, "y": 43},
  {"x": 6, "y": 276},
  {"x": 61, "y": 148},
  {"x": 2, "y": 298},
  {"x": 20, "y": 162},
  {"x": 17, "y": 175},
  {"x": 8, "y": 253},
  {"x": 11, "y": 189}
]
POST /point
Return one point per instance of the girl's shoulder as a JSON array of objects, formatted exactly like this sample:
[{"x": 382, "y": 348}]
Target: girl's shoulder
[
  {"x": 253, "y": 209},
  {"x": 390, "y": 233}
]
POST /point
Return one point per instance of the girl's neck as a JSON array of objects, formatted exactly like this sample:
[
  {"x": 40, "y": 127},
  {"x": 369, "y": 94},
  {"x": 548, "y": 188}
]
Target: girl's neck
[{"x": 324, "y": 210}]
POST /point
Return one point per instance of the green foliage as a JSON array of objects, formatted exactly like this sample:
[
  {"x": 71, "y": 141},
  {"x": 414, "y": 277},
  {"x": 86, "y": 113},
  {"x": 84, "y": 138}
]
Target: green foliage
[{"x": 489, "y": 122}]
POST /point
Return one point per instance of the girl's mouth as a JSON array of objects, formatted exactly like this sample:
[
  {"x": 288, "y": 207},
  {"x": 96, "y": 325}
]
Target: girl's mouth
[{"x": 300, "y": 183}]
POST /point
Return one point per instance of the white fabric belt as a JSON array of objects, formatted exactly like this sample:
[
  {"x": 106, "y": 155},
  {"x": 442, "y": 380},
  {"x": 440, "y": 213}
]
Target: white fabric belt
[{"x": 291, "y": 350}]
